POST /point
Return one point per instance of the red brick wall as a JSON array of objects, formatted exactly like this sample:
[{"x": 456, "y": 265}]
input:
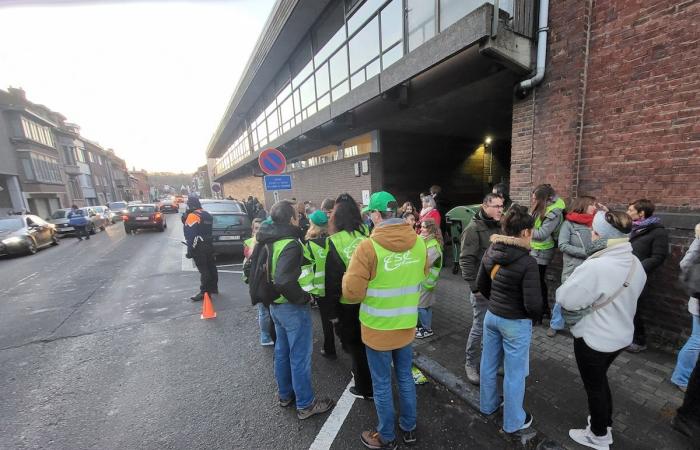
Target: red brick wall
[{"x": 634, "y": 113}]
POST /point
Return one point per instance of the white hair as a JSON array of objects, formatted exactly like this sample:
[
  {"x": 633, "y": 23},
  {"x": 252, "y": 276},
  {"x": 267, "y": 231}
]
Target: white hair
[{"x": 429, "y": 200}]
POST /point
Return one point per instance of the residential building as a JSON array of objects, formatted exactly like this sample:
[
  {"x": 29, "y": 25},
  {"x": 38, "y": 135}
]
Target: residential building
[{"x": 141, "y": 189}]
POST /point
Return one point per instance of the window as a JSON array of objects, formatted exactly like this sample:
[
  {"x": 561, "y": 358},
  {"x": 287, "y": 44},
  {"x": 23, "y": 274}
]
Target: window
[
  {"x": 322, "y": 80},
  {"x": 37, "y": 133},
  {"x": 90, "y": 156},
  {"x": 42, "y": 168},
  {"x": 392, "y": 33},
  {"x": 363, "y": 13},
  {"x": 421, "y": 22},
  {"x": 364, "y": 46},
  {"x": 338, "y": 65}
]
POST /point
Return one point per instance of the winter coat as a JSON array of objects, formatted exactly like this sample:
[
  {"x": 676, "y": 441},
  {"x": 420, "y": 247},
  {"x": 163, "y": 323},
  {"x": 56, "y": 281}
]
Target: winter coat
[
  {"x": 549, "y": 226},
  {"x": 394, "y": 235},
  {"x": 574, "y": 242},
  {"x": 514, "y": 292},
  {"x": 288, "y": 268},
  {"x": 198, "y": 231},
  {"x": 427, "y": 297},
  {"x": 611, "y": 327},
  {"x": 475, "y": 242},
  {"x": 650, "y": 245},
  {"x": 692, "y": 256},
  {"x": 77, "y": 218}
]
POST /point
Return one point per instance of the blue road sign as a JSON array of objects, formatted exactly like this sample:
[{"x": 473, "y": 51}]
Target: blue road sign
[{"x": 278, "y": 183}]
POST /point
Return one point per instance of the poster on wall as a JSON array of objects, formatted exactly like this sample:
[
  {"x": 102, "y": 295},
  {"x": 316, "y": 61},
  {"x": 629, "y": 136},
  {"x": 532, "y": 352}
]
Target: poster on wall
[
  {"x": 365, "y": 197},
  {"x": 357, "y": 169},
  {"x": 365, "y": 166}
]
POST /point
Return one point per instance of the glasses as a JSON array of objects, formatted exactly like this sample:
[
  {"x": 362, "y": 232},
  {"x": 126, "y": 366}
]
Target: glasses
[{"x": 495, "y": 206}]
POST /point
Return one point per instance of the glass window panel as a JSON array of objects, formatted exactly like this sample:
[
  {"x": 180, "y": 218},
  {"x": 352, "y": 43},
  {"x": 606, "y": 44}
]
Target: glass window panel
[
  {"x": 363, "y": 13},
  {"x": 421, "y": 22},
  {"x": 372, "y": 69},
  {"x": 340, "y": 90},
  {"x": 357, "y": 79},
  {"x": 307, "y": 92},
  {"x": 322, "y": 80},
  {"x": 453, "y": 10},
  {"x": 287, "y": 110},
  {"x": 305, "y": 72},
  {"x": 272, "y": 122},
  {"x": 339, "y": 66},
  {"x": 284, "y": 93},
  {"x": 392, "y": 56},
  {"x": 336, "y": 41},
  {"x": 392, "y": 24},
  {"x": 271, "y": 107},
  {"x": 364, "y": 46},
  {"x": 297, "y": 105},
  {"x": 324, "y": 101}
]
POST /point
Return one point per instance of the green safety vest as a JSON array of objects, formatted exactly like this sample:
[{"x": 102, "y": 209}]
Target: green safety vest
[
  {"x": 391, "y": 302},
  {"x": 307, "y": 273},
  {"x": 345, "y": 244},
  {"x": 318, "y": 254},
  {"x": 549, "y": 242},
  {"x": 431, "y": 280}
]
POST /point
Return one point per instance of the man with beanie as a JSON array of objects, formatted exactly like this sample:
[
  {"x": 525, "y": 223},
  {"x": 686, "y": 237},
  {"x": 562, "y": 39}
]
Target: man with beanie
[
  {"x": 384, "y": 275},
  {"x": 198, "y": 235},
  {"x": 475, "y": 242}
]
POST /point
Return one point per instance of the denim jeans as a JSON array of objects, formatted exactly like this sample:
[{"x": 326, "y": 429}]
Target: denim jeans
[
  {"x": 293, "y": 352},
  {"x": 507, "y": 339},
  {"x": 557, "y": 321},
  {"x": 473, "y": 350},
  {"x": 265, "y": 322},
  {"x": 688, "y": 356},
  {"x": 380, "y": 367},
  {"x": 425, "y": 316}
]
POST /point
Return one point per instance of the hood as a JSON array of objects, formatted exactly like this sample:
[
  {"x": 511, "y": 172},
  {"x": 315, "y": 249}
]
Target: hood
[
  {"x": 483, "y": 222},
  {"x": 270, "y": 232},
  {"x": 395, "y": 235},
  {"x": 506, "y": 249}
]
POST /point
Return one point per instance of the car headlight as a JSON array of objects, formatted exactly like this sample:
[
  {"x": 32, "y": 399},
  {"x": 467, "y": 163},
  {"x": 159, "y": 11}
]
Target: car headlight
[{"x": 12, "y": 240}]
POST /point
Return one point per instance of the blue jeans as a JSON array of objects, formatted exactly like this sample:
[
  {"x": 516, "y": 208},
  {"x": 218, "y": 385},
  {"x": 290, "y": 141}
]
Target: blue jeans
[
  {"x": 688, "y": 356},
  {"x": 380, "y": 368},
  {"x": 426, "y": 317},
  {"x": 557, "y": 321},
  {"x": 265, "y": 322},
  {"x": 293, "y": 352},
  {"x": 507, "y": 340}
]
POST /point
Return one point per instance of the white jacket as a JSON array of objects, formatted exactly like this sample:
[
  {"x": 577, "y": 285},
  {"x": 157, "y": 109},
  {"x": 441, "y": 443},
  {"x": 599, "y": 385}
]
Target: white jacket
[{"x": 611, "y": 327}]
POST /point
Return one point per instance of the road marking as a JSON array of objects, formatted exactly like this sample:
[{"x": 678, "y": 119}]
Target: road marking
[
  {"x": 27, "y": 277},
  {"x": 227, "y": 265},
  {"x": 330, "y": 429},
  {"x": 229, "y": 271}
]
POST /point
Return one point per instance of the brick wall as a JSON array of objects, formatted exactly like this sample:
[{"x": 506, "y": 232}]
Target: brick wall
[
  {"x": 629, "y": 103},
  {"x": 243, "y": 186}
]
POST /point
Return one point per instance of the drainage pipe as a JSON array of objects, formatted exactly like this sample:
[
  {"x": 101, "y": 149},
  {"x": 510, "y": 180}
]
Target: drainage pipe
[{"x": 542, "y": 31}]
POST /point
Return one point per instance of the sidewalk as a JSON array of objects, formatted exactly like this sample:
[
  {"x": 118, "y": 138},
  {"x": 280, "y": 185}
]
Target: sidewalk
[{"x": 644, "y": 399}]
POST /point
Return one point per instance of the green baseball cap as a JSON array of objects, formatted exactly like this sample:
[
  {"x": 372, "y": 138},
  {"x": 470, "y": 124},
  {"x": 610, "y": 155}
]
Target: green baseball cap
[
  {"x": 318, "y": 217},
  {"x": 379, "y": 201}
]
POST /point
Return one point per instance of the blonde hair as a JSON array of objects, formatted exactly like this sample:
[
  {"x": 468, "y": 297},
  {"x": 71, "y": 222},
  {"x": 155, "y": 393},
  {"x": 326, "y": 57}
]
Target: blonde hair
[
  {"x": 433, "y": 229},
  {"x": 316, "y": 231},
  {"x": 697, "y": 231}
]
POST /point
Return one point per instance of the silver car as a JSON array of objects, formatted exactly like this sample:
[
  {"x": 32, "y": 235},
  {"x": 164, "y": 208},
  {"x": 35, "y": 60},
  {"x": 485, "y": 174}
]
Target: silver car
[{"x": 60, "y": 220}]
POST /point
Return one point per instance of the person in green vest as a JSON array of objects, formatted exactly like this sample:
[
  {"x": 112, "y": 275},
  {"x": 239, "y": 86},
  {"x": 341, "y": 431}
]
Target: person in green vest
[
  {"x": 347, "y": 232},
  {"x": 316, "y": 237},
  {"x": 385, "y": 277},
  {"x": 264, "y": 320},
  {"x": 430, "y": 232},
  {"x": 291, "y": 312},
  {"x": 548, "y": 211}
]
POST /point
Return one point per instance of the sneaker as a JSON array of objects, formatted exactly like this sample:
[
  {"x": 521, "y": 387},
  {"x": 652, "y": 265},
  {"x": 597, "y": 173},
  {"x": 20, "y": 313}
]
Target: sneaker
[
  {"x": 409, "y": 437},
  {"x": 418, "y": 377},
  {"x": 372, "y": 440},
  {"x": 197, "y": 298},
  {"x": 528, "y": 421},
  {"x": 427, "y": 332},
  {"x": 419, "y": 333},
  {"x": 472, "y": 374},
  {"x": 285, "y": 403},
  {"x": 325, "y": 354},
  {"x": 609, "y": 429},
  {"x": 267, "y": 343},
  {"x": 636, "y": 348},
  {"x": 586, "y": 438},
  {"x": 317, "y": 407},
  {"x": 355, "y": 393},
  {"x": 551, "y": 332}
]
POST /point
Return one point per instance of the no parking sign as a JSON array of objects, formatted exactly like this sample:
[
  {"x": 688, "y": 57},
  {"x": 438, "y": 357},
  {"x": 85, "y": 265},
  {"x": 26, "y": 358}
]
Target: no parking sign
[{"x": 272, "y": 161}]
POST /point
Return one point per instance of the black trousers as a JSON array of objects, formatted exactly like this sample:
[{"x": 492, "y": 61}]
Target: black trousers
[
  {"x": 545, "y": 293},
  {"x": 324, "y": 307},
  {"x": 81, "y": 231},
  {"x": 351, "y": 337},
  {"x": 690, "y": 409},
  {"x": 208, "y": 274},
  {"x": 640, "y": 334},
  {"x": 593, "y": 367}
]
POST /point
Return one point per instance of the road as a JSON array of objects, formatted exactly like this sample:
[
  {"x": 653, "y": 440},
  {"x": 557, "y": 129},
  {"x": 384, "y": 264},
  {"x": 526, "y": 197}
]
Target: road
[{"x": 101, "y": 348}]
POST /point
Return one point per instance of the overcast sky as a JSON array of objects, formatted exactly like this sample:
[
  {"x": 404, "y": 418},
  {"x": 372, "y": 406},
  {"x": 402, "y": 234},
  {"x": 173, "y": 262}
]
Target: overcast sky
[{"x": 149, "y": 79}]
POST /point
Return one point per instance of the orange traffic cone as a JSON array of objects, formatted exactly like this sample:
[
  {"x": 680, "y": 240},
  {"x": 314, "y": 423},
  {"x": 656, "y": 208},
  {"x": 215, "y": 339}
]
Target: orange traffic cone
[{"x": 207, "y": 308}]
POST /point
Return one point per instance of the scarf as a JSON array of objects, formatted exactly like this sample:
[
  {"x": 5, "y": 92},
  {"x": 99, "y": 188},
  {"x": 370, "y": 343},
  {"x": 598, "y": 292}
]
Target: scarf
[
  {"x": 639, "y": 226},
  {"x": 580, "y": 218}
]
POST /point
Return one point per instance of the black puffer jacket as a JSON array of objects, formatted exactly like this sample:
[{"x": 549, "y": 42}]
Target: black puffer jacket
[
  {"x": 514, "y": 292},
  {"x": 650, "y": 245},
  {"x": 288, "y": 269}
]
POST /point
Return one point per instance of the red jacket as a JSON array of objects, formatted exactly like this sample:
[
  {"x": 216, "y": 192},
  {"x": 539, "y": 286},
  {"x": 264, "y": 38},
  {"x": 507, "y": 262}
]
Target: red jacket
[{"x": 432, "y": 214}]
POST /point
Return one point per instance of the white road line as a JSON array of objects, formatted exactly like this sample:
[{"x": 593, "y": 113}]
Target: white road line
[
  {"x": 28, "y": 277},
  {"x": 227, "y": 265},
  {"x": 330, "y": 429},
  {"x": 229, "y": 271}
]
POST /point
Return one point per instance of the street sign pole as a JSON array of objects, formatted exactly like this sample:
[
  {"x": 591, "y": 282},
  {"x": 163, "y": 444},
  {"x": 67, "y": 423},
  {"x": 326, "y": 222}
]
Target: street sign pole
[{"x": 276, "y": 196}]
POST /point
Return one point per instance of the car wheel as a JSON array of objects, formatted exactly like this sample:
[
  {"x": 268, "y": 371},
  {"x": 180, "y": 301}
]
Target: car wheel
[
  {"x": 161, "y": 228},
  {"x": 127, "y": 230},
  {"x": 31, "y": 246},
  {"x": 54, "y": 240},
  {"x": 92, "y": 230}
]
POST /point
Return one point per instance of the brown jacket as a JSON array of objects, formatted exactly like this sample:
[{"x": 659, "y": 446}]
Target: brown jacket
[{"x": 394, "y": 235}]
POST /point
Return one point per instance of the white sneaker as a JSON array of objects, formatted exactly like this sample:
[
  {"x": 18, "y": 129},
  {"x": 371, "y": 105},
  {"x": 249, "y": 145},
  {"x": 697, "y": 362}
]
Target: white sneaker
[
  {"x": 609, "y": 429},
  {"x": 587, "y": 438}
]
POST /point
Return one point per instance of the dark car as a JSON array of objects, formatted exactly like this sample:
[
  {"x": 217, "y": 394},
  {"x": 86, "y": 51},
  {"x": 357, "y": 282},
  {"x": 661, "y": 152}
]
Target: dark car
[
  {"x": 145, "y": 215},
  {"x": 168, "y": 205},
  {"x": 231, "y": 225},
  {"x": 25, "y": 234}
]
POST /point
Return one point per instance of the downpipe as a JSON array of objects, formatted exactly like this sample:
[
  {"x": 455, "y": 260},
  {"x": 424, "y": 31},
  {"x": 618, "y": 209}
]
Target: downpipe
[{"x": 522, "y": 88}]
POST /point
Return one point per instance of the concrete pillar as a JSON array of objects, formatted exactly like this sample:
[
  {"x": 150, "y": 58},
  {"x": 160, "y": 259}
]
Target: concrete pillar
[{"x": 18, "y": 201}]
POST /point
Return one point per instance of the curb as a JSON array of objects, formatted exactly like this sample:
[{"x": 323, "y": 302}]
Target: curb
[{"x": 530, "y": 439}]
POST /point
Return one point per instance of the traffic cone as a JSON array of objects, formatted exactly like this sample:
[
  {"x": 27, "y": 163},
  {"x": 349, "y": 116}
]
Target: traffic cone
[{"x": 207, "y": 308}]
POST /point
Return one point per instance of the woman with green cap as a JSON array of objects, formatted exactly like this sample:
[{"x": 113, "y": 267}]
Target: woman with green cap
[{"x": 316, "y": 237}]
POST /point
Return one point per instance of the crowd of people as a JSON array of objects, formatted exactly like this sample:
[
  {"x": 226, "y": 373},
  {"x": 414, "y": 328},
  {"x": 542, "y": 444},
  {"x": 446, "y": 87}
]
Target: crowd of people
[{"x": 372, "y": 271}]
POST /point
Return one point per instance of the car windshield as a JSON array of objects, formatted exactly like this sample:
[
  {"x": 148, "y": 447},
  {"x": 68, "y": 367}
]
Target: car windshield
[
  {"x": 12, "y": 224},
  {"x": 141, "y": 209},
  {"x": 116, "y": 206},
  {"x": 227, "y": 220},
  {"x": 222, "y": 207},
  {"x": 59, "y": 214}
]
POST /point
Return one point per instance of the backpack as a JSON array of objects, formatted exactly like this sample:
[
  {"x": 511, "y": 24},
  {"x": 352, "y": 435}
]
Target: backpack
[{"x": 257, "y": 272}]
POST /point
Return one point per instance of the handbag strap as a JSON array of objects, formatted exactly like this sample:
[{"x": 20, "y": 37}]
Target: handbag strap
[{"x": 617, "y": 293}]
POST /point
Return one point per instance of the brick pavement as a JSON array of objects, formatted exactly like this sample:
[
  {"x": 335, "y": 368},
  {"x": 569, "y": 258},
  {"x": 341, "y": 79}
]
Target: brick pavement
[{"x": 644, "y": 399}]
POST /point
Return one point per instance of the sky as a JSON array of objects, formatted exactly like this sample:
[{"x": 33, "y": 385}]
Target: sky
[{"x": 151, "y": 79}]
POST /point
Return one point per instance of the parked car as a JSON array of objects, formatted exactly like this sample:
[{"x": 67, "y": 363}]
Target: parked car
[
  {"x": 59, "y": 219},
  {"x": 106, "y": 213},
  {"x": 145, "y": 215},
  {"x": 25, "y": 234},
  {"x": 231, "y": 225},
  {"x": 97, "y": 220},
  {"x": 118, "y": 209}
]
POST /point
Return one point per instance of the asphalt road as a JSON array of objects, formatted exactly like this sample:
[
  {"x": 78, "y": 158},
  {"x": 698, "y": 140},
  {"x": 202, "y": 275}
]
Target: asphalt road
[{"x": 101, "y": 348}]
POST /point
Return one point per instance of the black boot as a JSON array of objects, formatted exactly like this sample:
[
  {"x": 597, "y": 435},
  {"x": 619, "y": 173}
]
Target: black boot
[{"x": 197, "y": 298}]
